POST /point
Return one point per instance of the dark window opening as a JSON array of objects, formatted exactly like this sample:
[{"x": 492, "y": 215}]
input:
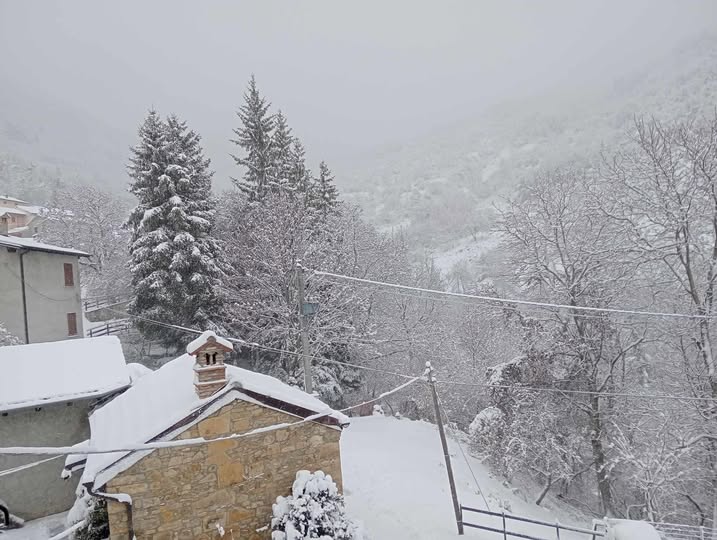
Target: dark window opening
[
  {"x": 72, "y": 324},
  {"x": 69, "y": 275}
]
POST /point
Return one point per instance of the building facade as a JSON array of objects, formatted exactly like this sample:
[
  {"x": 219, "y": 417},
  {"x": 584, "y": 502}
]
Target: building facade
[
  {"x": 47, "y": 392},
  {"x": 19, "y": 218},
  {"x": 191, "y": 492},
  {"x": 40, "y": 297},
  {"x": 228, "y": 484}
]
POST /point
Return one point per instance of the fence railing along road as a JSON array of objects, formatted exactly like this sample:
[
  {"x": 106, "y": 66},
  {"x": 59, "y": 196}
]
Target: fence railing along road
[
  {"x": 98, "y": 302},
  {"x": 552, "y": 529},
  {"x": 110, "y": 328}
]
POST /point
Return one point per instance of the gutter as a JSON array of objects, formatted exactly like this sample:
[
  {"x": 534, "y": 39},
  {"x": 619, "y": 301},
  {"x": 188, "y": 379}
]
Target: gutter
[
  {"x": 117, "y": 497},
  {"x": 22, "y": 253}
]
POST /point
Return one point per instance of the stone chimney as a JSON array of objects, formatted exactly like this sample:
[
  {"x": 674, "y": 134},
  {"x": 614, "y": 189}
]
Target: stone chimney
[{"x": 210, "y": 373}]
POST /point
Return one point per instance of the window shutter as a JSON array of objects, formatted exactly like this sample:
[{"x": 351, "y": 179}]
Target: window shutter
[
  {"x": 72, "y": 324},
  {"x": 69, "y": 275}
]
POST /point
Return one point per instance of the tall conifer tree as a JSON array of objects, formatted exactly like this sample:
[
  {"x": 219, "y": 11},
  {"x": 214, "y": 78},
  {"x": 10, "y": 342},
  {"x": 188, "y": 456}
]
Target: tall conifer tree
[
  {"x": 173, "y": 256},
  {"x": 324, "y": 196},
  {"x": 254, "y": 137},
  {"x": 282, "y": 157}
]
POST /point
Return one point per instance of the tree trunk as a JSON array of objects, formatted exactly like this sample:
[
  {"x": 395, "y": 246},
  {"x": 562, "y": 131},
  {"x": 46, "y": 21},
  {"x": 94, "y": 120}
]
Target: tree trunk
[
  {"x": 603, "y": 478},
  {"x": 548, "y": 485}
]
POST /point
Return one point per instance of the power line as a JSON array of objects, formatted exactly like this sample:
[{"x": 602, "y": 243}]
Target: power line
[
  {"x": 132, "y": 447},
  {"x": 502, "y": 307},
  {"x": 545, "y": 389},
  {"x": 268, "y": 348},
  {"x": 498, "y": 300},
  {"x": 19, "y": 468},
  {"x": 549, "y": 389}
]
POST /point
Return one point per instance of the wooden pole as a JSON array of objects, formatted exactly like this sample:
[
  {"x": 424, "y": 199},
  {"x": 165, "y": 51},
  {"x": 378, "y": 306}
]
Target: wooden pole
[
  {"x": 308, "y": 386},
  {"x": 444, "y": 444}
]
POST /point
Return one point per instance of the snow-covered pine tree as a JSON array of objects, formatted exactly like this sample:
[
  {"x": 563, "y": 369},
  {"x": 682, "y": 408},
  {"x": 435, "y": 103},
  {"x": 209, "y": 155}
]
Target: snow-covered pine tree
[
  {"x": 300, "y": 175},
  {"x": 282, "y": 159},
  {"x": 254, "y": 137},
  {"x": 324, "y": 197},
  {"x": 173, "y": 257}
]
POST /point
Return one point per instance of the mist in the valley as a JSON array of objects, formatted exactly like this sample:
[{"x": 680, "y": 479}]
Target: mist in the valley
[{"x": 78, "y": 77}]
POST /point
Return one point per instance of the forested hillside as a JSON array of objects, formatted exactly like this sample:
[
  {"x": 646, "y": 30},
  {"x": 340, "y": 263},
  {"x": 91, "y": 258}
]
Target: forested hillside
[{"x": 443, "y": 188}]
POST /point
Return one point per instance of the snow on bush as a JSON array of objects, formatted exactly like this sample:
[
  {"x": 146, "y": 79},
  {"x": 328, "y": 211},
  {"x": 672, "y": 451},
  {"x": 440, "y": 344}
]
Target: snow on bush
[
  {"x": 6, "y": 338},
  {"x": 489, "y": 422},
  {"x": 94, "y": 513},
  {"x": 314, "y": 510}
]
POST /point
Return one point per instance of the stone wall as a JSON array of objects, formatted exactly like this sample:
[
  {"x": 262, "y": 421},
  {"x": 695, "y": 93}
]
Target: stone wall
[{"x": 183, "y": 493}]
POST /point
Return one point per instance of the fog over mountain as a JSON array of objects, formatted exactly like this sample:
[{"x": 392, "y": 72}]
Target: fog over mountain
[{"x": 352, "y": 78}]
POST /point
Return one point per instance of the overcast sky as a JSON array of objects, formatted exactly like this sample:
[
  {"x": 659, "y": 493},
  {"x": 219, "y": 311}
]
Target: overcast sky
[{"x": 350, "y": 76}]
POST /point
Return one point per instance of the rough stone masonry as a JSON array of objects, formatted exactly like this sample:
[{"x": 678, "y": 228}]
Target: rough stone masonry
[{"x": 184, "y": 493}]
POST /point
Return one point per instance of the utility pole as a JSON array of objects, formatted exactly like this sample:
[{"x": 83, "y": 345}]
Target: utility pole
[
  {"x": 303, "y": 327},
  {"x": 444, "y": 444}
]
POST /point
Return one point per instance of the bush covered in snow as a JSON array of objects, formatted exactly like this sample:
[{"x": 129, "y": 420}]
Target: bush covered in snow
[
  {"x": 94, "y": 512},
  {"x": 315, "y": 509},
  {"x": 6, "y": 338},
  {"x": 487, "y": 429}
]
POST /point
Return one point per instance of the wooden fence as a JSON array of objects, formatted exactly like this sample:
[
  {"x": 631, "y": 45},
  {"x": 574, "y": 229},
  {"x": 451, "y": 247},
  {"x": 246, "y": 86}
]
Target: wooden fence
[{"x": 110, "y": 328}]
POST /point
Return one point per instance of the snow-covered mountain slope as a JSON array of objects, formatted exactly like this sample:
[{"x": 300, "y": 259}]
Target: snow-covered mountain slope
[
  {"x": 395, "y": 483},
  {"x": 444, "y": 187}
]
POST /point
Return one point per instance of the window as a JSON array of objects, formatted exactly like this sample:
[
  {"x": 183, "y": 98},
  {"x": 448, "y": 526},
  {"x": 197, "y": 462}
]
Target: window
[
  {"x": 69, "y": 275},
  {"x": 72, "y": 324}
]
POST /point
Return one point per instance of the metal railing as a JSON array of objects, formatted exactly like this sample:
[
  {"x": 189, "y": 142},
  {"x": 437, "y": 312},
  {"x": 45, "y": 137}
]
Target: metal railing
[
  {"x": 110, "y": 328},
  {"x": 98, "y": 302},
  {"x": 556, "y": 526},
  {"x": 677, "y": 531}
]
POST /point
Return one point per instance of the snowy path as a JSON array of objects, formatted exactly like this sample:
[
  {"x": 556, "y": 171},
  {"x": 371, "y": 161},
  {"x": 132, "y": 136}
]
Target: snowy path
[
  {"x": 39, "y": 529},
  {"x": 395, "y": 482}
]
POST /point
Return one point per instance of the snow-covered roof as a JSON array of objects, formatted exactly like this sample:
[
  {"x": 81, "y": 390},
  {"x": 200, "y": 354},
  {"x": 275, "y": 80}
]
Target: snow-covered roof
[
  {"x": 13, "y": 210},
  {"x": 44, "y": 373},
  {"x": 10, "y": 199},
  {"x": 164, "y": 399},
  {"x": 206, "y": 337},
  {"x": 32, "y": 209},
  {"x": 33, "y": 245},
  {"x": 137, "y": 371}
]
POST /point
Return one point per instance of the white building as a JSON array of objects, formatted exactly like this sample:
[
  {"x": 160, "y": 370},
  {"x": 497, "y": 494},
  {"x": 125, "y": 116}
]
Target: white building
[{"x": 39, "y": 290}]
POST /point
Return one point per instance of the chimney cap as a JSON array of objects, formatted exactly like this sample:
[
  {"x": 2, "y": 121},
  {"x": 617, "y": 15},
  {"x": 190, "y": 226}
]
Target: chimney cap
[{"x": 209, "y": 339}]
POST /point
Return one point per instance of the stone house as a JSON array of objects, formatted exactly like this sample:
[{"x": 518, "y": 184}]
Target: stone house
[
  {"x": 229, "y": 483},
  {"x": 47, "y": 391},
  {"x": 40, "y": 290}
]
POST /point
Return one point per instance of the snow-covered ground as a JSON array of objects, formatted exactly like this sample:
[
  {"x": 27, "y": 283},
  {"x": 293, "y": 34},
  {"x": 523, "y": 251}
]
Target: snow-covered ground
[
  {"x": 38, "y": 529},
  {"x": 395, "y": 483},
  {"x": 466, "y": 250}
]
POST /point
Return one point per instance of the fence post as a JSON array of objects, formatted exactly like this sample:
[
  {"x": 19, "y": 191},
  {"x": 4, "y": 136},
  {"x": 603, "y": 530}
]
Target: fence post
[
  {"x": 505, "y": 533},
  {"x": 557, "y": 529},
  {"x": 702, "y": 532}
]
